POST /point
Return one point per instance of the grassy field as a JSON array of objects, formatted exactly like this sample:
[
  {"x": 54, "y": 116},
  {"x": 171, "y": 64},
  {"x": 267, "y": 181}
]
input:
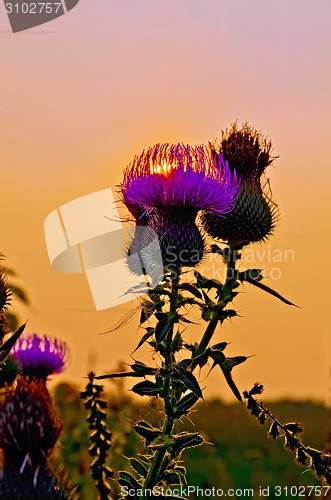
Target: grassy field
[{"x": 241, "y": 456}]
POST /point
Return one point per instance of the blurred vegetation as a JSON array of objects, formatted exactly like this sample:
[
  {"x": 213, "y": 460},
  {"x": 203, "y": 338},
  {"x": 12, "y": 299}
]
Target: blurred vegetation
[{"x": 241, "y": 457}]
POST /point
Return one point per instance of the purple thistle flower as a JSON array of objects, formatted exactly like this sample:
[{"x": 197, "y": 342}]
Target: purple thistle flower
[
  {"x": 178, "y": 175},
  {"x": 165, "y": 188},
  {"x": 29, "y": 425},
  {"x": 40, "y": 356}
]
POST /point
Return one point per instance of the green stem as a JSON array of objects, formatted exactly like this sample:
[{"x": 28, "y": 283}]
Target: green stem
[
  {"x": 209, "y": 332},
  {"x": 157, "y": 461}
]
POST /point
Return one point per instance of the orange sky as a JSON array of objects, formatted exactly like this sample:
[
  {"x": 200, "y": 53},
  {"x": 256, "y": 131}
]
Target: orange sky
[{"x": 81, "y": 95}]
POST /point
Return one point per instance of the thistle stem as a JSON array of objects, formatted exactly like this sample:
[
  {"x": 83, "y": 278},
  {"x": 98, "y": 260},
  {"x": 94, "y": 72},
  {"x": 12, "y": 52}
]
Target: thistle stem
[
  {"x": 157, "y": 461},
  {"x": 213, "y": 322}
]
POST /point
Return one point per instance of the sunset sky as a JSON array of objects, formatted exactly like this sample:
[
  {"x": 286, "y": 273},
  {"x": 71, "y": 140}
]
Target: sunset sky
[{"x": 84, "y": 93}]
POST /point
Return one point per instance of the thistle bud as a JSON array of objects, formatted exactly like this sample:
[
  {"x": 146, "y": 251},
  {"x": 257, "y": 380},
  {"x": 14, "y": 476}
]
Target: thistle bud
[{"x": 248, "y": 153}]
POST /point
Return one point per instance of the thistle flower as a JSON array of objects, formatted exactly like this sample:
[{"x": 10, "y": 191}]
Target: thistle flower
[
  {"x": 29, "y": 429},
  {"x": 23, "y": 486},
  {"x": 29, "y": 425},
  {"x": 253, "y": 218},
  {"x": 39, "y": 357},
  {"x": 165, "y": 188}
]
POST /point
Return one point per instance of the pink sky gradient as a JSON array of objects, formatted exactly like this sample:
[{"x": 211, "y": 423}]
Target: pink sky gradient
[{"x": 81, "y": 95}]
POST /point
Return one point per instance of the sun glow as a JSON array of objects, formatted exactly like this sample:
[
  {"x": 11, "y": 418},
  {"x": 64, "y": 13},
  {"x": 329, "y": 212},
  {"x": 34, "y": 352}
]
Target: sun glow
[{"x": 162, "y": 168}]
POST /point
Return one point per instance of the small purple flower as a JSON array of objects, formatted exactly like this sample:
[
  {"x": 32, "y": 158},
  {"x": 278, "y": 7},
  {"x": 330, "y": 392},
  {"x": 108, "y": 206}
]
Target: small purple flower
[
  {"x": 165, "y": 188},
  {"x": 40, "y": 356}
]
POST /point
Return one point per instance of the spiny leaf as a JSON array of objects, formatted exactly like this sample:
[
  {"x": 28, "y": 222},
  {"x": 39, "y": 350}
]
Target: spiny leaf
[
  {"x": 145, "y": 430},
  {"x": 217, "y": 356},
  {"x": 161, "y": 441},
  {"x": 191, "y": 288},
  {"x": 118, "y": 375},
  {"x": 301, "y": 457},
  {"x": 126, "y": 479},
  {"x": 190, "y": 382},
  {"x": 163, "y": 327},
  {"x": 229, "y": 363},
  {"x": 274, "y": 430},
  {"x": 146, "y": 312},
  {"x": 187, "y": 440},
  {"x": 294, "y": 427},
  {"x": 141, "y": 369},
  {"x": 146, "y": 388},
  {"x": 146, "y": 336},
  {"x": 7, "y": 346},
  {"x": 291, "y": 442},
  {"x": 231, "y": 384},
  {"x": 219, "y": 347},
  {"x": 138, "y": 467},
  {"x": 269, "y": 290},
  {"x": 207, "y": 283},
  {"x": 172, "y": 477},
  {"x": 185, "y": 404},
  {"x": 254, "y": 274}
]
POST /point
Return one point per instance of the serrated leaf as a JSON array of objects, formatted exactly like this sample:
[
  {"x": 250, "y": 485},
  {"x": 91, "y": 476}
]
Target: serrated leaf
[
  {"x": 185, "y": 404},
  {"x": 138, "y": 467},
  {"x": 146, "y": 336},
  {"x": 269, "y": 290},
  {"x": 291, "y": 442},
  {"x": 126, "y": 479},
  {"x": 294, "y": 427},
  {"x": 146, "y": 313},
  {"x": 187, "y": 440},
  {"x": 146, "y": 388},
  {"x": 231, "y": 384},
  {"x": 172, "y": 477},
  {"x": 8, "y": 345},
  {"x": 189, "y": 381},
  {"x": 207, "y": 283},
  {"x": 217, "y": 356},
  {"x": 219, "y": 347},
  {"x": 254, "y": 274},
  {"x": 301, "y": 457},
  {"x": 229, "y": 363},
  {"x": 146, "y": 431},
  {"x": 163, "y": 327},
  {"x": 191, "y": 288},
  {"x": 118, "y": 375},
  {"x": 274, "y": 430},
  {"x": 161, "y": 441},
  {"x": 142, "y": 369}
]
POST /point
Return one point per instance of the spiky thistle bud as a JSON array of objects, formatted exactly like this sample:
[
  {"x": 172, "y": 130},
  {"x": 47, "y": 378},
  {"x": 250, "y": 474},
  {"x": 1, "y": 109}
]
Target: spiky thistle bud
[{"x": 248, "y": 153}]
